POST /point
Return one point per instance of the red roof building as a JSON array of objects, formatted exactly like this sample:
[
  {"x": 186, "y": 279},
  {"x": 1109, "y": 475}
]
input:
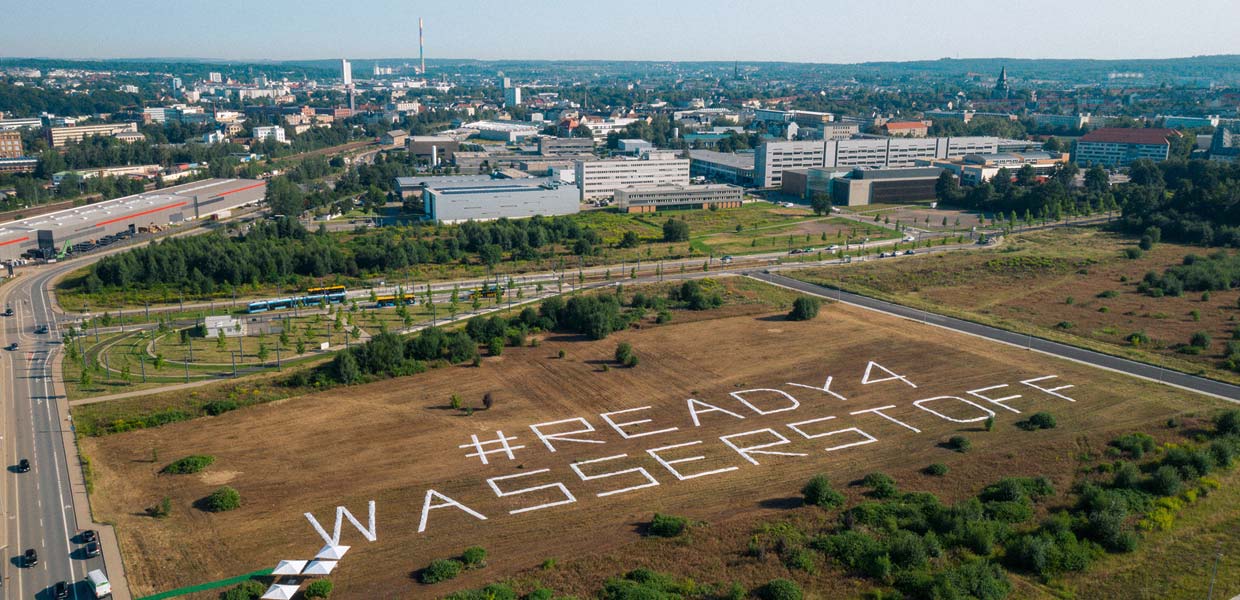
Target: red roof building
[{"x": 1119, "y": 147}]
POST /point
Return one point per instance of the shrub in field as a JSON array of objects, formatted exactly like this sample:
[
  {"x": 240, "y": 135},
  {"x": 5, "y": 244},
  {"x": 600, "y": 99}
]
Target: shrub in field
[
  {"x": 1135, "y": 445},
  {"x": 474, "y": 557},
  {"x": 804, "y": 308},
  {"x": 881, "y": 485},
  {"x": 1036, "y": 421},
  {"x": 441, "y": 570},
  {"x": 189, "y": 464},
  {"x": 937, "y": 469},
  {"x": 625, "y": 354},
  {"x": 223, "y": 499},
  {"x": 667, "y": 525},
  {"x": 1228, "y": 423},
  {"x": 781, "y": 589},
  {"x": 319, "y": 588},
  {"x": 818, "y": 492},
  {"x": 161, "y": 510},
  {"x": 246, "y": 590},
  {"x": 959, "y": 443}
]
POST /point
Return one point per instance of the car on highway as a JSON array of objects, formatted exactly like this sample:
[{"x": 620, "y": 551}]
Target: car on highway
[
  {"x": 40, "y": 329},
  {"x": 23, "y": 465},
  {"x": 60, "y": 591},
  {"x": 8, "y": 311},
  {"x": 832, "y": 248},
  {"x": 30, "y": 558},
  {"x": 92, "y": 549},
  {"x": 909, "y": 253},
  {"x": 90, "y": 535},
  {"x": 11, "y": 347},
  {"x": 727, "y": 259}
]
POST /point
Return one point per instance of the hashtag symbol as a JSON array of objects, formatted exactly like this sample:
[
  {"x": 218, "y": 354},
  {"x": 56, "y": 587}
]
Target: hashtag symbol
[{"x": 481, "y": 449}]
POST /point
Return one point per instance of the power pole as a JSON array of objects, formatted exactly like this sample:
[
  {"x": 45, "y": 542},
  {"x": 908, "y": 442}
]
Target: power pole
[{"x": 1218, "y": 554}]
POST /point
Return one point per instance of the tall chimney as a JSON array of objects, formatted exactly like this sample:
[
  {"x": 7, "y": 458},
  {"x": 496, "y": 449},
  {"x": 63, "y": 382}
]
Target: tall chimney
[{"x": 421, "y": 47}]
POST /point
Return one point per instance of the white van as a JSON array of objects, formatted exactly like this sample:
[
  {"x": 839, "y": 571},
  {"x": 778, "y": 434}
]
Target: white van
[{"x": 99, "y": 583}]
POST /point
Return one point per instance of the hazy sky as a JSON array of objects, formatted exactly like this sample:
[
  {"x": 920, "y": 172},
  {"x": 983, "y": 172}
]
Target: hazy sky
[{"x": 793, "y": 30}]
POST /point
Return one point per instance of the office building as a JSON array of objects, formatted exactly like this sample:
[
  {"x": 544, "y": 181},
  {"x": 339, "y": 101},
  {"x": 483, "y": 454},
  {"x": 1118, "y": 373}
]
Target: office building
[
  {"x": 885, "y": 186},
  {"x": 59, "y": 136},
  {"x": 641, "y": 199},
  {"x": 838, "y": 131},
  {"x": 512, "y": 96},
  {"x": 600, "y": 178},
  {"x": 13, "y": 124},
  {"x": 772, "y": 158},
  {"x": 635, "y": 147},
  {"x": 1174, "y": 122},
  {"x": 1225, "y": 144},
  {"x": 11, "y": 144},
  {"x": 1119, "y": 147},
  {"x": 21, "y": 164},
  {"x": 1072, "y": 122},
  {"x": 722, "y": 167},
  {"x": 274, "y": 132},
  {"x": 977, "y": 168},
  {"x": 558, "y": 146},
  {"x": 808, "y": 183},
  {"x": 456, "y": 200}
]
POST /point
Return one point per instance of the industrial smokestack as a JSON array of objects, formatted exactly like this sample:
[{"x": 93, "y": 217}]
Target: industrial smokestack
[{"x": 421, "y": 46}]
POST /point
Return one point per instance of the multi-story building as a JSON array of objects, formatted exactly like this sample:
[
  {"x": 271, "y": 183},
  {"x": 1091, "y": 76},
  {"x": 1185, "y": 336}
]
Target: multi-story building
[
  {"x": 273, "y": 132},
  {"x": 722, "y": 167},
  {"x": 11, "y": 124},
  {"x": 884, "y": 186},
  {"x": 558, "y": 146},
  {"x": 214, "y": 77},
  {"x": 600, "y": 178},
  {"x": 59, "y": 136},
  {"x": 512, "y": 96},
  {"x": 977, "y": 168},
  {"x": 1119, "y": 147},
  {"x": 917, "y": 129},
  {"x": 772, "y": 158},
  {"x": 651, "y": 198},
  {"x": 1225, "y": 144},
  {"x": 1065, "y": 121},
  {"x": 11, "y": 144}
]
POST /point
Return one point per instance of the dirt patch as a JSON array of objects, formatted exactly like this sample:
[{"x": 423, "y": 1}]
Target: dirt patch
[
  {"x": 393, "y": 441},
  {"x": 218, "y": 477}
]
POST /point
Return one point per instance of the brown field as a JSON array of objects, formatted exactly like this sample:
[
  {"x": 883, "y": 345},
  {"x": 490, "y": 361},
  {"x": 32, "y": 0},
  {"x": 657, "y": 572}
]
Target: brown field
[
  {"x": 1051, "y": 283},
  {"x": 392, "y": 441}
]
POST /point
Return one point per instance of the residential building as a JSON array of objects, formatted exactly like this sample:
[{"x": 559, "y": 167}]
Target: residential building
[
  {"x": 600, "y": 178},
  {"x": 11, "y": 144},
  {"x": 885, "y": 186},
  {"x": 558, "y": 146},
  {"x": 59, "y": 136},
  {"x": 917, "y": 129},
  {"x": 346, "y": 72},
  {"x": 1119, "y": 147},
  {"x": 273, "y": 132},
  {"x": 640, "y": 199},
  {"x": 512, "y": 96},
  {"x": 722, "y": 167},
  {"x": 214, "y": 77},
  {"x": 484, "y": 199}
]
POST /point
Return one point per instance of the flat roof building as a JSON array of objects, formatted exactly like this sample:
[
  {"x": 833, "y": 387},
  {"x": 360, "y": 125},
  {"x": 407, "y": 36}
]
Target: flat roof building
[
  {"x": 11, "y": 144},
  {"x": 485, "y": 200},
  {"x": 1120, "y": 147},
  {"x": 883, "y": 186},
  {"x": 600, "y": 178},
  {"x": 558, "y": 146},
  {"x": 722, "y": 167},
  {"x": 59, "y": 136},
  {"x": 772, "y": 158},
  {"x": 651, "y": 198}
]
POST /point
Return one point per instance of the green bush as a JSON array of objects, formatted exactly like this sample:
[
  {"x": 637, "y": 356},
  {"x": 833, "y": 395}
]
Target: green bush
[
  {"x": 495, "y": 591},
  {"x": 1040, "y": 420},
  {"x": 881, "y": 485},
  {"x": 1165, "y": 481},
  {"x": 1200, "y": 339},
  {"x": 474, "y": 557},
  {"x": 936, "y": 469},
  {"x": 625, "y": 354},
  {"x": 959, "y": 443},
  {"x": 781, "y": 589},
  {"x": 804, "y": 308},
  {"x": 161, "y": 510},
  {"x": 818, "y": 492},
  {"x": 1228, "y": 423},
  {"x": 1133, "y": 253},
  {"x": 189, "y": 464},
  {"x": 441, "y": 570},
  {"x": 667, "y": 525},
  {"x": 1135, "y": 445},
  {"x": 319, "y": 588},
  {"x": 222, "y": 499},
  {"x": 216, "y": 408},
  {"x": 246, "y": 590}
]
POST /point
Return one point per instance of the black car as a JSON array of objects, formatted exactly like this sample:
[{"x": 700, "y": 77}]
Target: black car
[
  {"x": 92, "y": 549},
  {"x": 23, "y": 465},
  {"x": 61, "y": 590},
  {"x": 12, "y": 347},
  {"x": 8, "y": 311},
  {"x": 31, "y": 558},
  {"x": 41, "y": 329},
  {"x": 89, "y": 536}
]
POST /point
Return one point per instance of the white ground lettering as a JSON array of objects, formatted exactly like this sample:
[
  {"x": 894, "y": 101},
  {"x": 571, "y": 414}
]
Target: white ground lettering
[
  {"x": 619, "y": 427},
  {"x": 693, "y": 412},
  {"x": 995, "y": 401},
  {"x": 865, "y": 379},
  {"x": 739, "y": 396},
  {"x": 427, "y": 507},
  {"x": 879, "y": 411},
  {"x": 747, "y": 451},
  {"x": 921, "y": 404},
  {"x": 371, "y": 534},
  {"x": 667, "y": 464},
  {"x": 826, "y": 387},
  {"x": 568, "y": 496},
  {"x": 563, "y": 435},
  {"x": 480, "y": 446},
  {"x": 869, "y": 439},
  {"x": 576, "y": 467},
  {"x": 1051, "y": 391}
]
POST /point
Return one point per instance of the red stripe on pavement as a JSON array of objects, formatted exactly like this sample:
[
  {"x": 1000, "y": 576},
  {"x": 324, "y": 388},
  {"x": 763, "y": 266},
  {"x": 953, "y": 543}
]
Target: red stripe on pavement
[
  {"x": 18, "y": 240},
  {"x": 248, "y": 187},
  {"x": 145, "y": 212}
]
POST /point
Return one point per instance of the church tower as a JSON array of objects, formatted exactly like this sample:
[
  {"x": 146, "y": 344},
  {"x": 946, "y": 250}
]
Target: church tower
[{"x": 1001, "y": 86}]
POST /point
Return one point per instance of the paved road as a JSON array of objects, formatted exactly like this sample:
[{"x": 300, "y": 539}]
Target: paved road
[
  {"x": 38, "y": 505},
  {"x": 1202, "y": 385}
]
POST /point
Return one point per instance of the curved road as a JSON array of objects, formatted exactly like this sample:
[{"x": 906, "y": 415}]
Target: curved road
[{"x": 1210, "y": 387}]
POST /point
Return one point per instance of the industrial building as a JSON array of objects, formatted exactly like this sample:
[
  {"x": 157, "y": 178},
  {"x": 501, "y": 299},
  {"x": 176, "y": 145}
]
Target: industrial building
[
  {"x": 59, "y": 136},
  {"x": 598, "y": 179},
  {"x": 807, "y": 183},
  {"x": 460, "y": 199},
  {"x": 509, "y": 132},
  {"x": 884, "y": 186},
  {"x": 437, "y": 148},
  {"x": 143, "y": 212},
  {"x": 723, "y": 167},
  {"x": 558, "y": 146},
  {"x": 1119, "y": 147},
  {"x": 640, "y": 199}
]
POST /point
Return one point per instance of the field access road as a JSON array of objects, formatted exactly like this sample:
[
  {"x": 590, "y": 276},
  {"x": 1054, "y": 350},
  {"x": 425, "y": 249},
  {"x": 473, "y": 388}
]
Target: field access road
[{"x": 1210, "y": 387}]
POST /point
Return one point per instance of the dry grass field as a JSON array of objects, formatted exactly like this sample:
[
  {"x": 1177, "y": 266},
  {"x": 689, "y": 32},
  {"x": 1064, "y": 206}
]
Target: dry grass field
[{"x": 393, "y": 441}]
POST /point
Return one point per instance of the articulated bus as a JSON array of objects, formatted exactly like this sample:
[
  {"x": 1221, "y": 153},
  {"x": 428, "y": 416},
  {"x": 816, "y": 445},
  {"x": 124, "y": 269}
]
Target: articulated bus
[
  {"x": 313, "y": 297},
  {"x": 392, "y": 300}
]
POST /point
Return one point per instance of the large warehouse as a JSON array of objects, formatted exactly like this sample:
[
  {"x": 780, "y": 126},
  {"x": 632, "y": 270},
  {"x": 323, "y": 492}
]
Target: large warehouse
[
  {"x": 159, "y": 208},
  {"x": 487, "y": 199}
]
